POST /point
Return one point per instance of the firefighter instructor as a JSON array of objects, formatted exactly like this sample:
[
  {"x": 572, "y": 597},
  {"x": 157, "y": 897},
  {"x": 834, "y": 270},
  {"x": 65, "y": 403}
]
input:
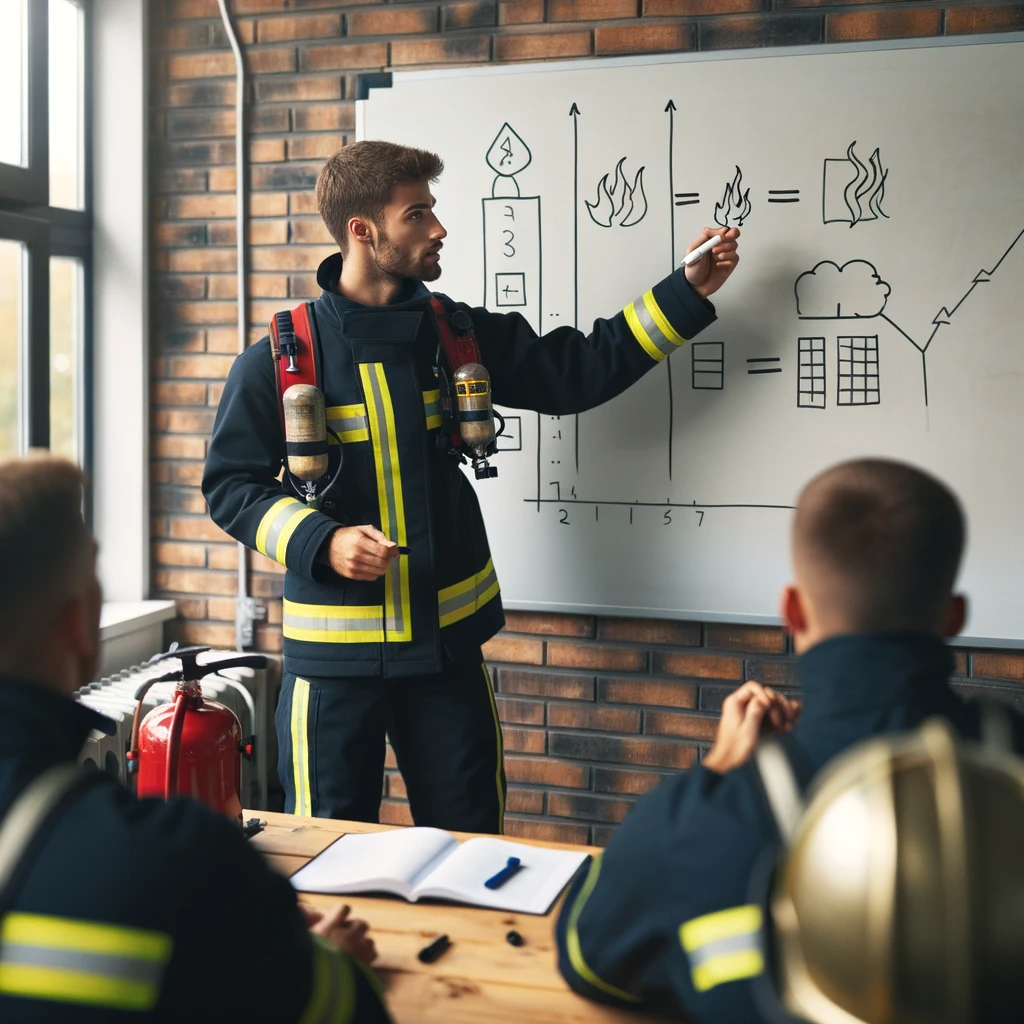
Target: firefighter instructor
[{"x": 389, "y": 591}]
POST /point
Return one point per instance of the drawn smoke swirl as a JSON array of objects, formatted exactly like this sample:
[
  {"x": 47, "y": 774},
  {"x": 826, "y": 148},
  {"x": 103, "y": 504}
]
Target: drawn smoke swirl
[{"x": 869, "y": 184}]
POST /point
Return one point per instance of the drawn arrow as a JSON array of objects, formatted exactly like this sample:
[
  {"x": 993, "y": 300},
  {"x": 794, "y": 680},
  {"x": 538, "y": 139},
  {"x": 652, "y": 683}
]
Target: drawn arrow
[
  {"x": 670, "y": 109},
  {"x": 574, "y": 113}
]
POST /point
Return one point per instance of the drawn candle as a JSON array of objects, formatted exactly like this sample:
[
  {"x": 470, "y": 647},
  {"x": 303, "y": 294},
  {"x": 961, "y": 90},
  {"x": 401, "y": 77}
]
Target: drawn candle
[{"x": 512, "y": 233}]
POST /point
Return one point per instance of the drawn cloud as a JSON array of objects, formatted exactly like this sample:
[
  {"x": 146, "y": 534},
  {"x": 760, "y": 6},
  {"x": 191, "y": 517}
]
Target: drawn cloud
[{"x": 832, "y": 292}]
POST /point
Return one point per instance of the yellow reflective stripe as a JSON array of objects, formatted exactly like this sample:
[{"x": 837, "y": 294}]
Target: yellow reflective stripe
[
  {"x": 661, "y": 320},
  {"x": 348, "y": 422},
  {"x": 499, "y": 775},
  {"x": 333, "y": 624},
  {"x": 641, "y": 335},
  {"x": 300, "y": 747},
  {"x": 474, "y": 592},
  {"x": 572, "y": 940},
  {"x": 268, "y": 521},
  {"x": 86, "y": 936},
  {"x": 286, "y": 534},
  {"x": 277, "y": 526},
  {"x": 432, "y": 404},
  {"x": 76, "y": 987},
  {"x": 724, "y": 946},
  {"x": 333, "y": 996}
]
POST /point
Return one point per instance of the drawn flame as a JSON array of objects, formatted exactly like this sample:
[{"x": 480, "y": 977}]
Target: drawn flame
[
  {"x": 623, "y": 204},
  {"x": 735, "y": 205},
  {"x": 870, "y": 184}
]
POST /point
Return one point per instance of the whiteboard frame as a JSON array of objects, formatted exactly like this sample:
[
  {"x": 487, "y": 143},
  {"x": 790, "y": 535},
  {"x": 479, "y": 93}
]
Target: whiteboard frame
[{"x": 634, "y": 60}]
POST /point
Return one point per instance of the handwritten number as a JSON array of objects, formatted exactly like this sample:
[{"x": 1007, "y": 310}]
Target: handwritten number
[
  {"x": 700, "y": 512},
  {"x": 508, "y": 242},
  {"x": 668, "y": 517},
  {"x": 565, "y": 516}
]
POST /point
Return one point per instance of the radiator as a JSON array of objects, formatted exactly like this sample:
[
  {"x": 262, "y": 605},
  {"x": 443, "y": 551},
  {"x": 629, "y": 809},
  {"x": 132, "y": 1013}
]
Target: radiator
[{"x": 244, "y": 690}]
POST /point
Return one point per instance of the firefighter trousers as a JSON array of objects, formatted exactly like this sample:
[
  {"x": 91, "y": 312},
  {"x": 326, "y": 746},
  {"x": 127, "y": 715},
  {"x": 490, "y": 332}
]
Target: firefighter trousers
[{"x": 444, "y": 730}]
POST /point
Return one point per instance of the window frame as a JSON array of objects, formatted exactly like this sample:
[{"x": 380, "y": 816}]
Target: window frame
[{"x": 47, "y": 232}]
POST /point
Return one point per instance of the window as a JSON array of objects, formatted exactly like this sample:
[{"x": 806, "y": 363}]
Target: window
[
  {"x": 811, "y": 378},
  {"x": 707, "y": 365},
  {"x": 45, "y": 227},
  {"x": 858, "y": 371}
]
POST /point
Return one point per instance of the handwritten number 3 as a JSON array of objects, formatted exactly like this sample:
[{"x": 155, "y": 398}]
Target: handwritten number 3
[{"x": 510, "y": 236}]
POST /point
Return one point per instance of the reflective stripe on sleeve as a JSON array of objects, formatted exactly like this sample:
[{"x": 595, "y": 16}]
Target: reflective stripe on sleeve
[
  {"x": 348, "y": 422},
  {"x": 651, "y": 327},
  {"x": 300, "y": 747},
  {"x": 432, "y": 407},
  {"x": 333, "y": 996},
  {"x": 724, "y": 946},
  {"x": 333, "y": 624},
  {"x": 278, "y": 525},
  {"x": 71, "y": 961},
  {"x": 463, "y": 599}
]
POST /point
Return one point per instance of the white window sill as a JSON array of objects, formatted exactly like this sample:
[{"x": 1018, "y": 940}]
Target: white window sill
[{"x": 131, "y": 632}]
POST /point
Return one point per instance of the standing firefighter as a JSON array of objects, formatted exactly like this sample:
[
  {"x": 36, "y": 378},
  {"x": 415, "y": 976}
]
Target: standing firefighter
[{"x": 390, "y": 590}]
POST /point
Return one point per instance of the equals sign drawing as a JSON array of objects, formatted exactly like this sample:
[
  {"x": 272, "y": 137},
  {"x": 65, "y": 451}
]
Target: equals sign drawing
[
  {"x": 766, "y": 369},
  {"x": 687, "y": 198},
  {"x": 783, "y": 195}
]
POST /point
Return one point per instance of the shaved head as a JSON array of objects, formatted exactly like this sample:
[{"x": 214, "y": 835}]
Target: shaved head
[{"x": 877, "y": 546}]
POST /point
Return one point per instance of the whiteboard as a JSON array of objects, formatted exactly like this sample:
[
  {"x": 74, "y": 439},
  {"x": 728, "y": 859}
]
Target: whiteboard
[{"x": 877, "y": 308}]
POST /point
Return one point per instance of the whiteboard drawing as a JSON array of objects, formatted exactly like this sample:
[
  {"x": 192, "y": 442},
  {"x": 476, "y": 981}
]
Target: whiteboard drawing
[
  {"x": 858, "y": 370},
  {"x": 734, "y": 208},
  {"x": 707, "y": 365},
  {"x": 686, "y": 198},
  {"x": 763, "y": 364},
  {"x": 783, "y": 195},
  {"x": 507, "y": 156},
  {"x": 852, "y": 191},
  {"x": 831, "y": 292},
  {"x": 623, "y": 204},
  {"x": 810, "y": 385}
]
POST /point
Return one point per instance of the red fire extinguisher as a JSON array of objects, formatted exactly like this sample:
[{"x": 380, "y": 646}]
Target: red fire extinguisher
[{"x": 191, "y": 746}]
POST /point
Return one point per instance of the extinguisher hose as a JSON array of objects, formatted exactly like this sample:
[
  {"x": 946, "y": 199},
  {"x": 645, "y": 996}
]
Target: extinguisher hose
[{"x": 174, "y": 744}]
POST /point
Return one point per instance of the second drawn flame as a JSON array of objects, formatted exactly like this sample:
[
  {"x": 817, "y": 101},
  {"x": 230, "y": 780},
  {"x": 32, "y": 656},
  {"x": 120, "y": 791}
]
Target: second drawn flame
[
  {"x": 623, "y": 204},
  {"x": 735, "y": 205}
]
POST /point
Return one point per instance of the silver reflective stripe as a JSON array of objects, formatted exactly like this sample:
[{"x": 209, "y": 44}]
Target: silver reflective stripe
[
  {"x": 281, "y": 520},
  {"x": 347, "y": 424},
  {"x": 433, "y": 409},
  {"x": 469, "y": 599},
  {"x": 392, "y": 578},
  {"x": 663, "y": 343},
  {"x": 124, "y": 968},
  {"x": 750, "y": 942},
  {"x": 331, "y": 623}
]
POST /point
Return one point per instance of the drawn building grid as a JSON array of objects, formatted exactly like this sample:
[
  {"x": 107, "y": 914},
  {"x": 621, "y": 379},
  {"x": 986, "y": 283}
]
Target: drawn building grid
[
  {"x": 858, "y": 370},
  {"x": 811, "y": 373},
  {"x": 707, "y": 361}
]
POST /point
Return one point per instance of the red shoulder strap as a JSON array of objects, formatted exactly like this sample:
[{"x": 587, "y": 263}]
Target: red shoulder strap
[
  {"x": 291, "y": 342},
  {"x": 458, "y": 348}
]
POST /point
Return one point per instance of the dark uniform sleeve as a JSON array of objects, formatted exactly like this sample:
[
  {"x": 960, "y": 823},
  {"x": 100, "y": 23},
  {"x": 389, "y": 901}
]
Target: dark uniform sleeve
[
  {"x": 240, "y": 480},
  {"x": 245, "y": 934},
  {"x": 567, "y": 371}
]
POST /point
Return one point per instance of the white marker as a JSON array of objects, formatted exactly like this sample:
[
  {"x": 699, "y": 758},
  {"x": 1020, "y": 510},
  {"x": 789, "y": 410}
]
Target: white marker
[{"x": 701, "y": 250}]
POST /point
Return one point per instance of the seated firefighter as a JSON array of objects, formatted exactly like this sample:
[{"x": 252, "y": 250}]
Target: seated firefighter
[
  {"x": 112, "y": 906},
  {"x": 876, "y": 549}
]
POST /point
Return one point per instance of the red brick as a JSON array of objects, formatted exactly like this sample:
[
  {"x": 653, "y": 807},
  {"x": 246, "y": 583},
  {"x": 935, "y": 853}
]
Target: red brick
[
  {"x": 201, "y": 206},
  {"x": 778, "y": 30},
  {"x": 178, "y": 499},
  {"x": 586, "y": 716},
  {"x": 178, "y": 448},
  {"x": 309, "y": 26},
  {"x": 194, "y": 124},
  {"x": 303, "y": 286},
  {"x": 194, "y": 608},
  {"x": 550, "y": 625},
  {"x": 292, "y": 257},
  {"x": 308, "y": 147},
  {"x": 222, "y": 556},
  {"x": 547, "y": 831},
  {"x": 285, "y": 177},
  {"x": 960, "y": 663},
  {"x": 265, "y": 62},
  {"x": 525, "y": 801},
  {"x": 394, "y": 813},
  {"x": 521, "y": 712},
  {"x": 598, "y": 656},
  {"x": 547, "y": 771},
  {"x": 302, "y": 203},
  {"x": 695, "y": 8},
  {"x": 328, "y": 117},
  {"x": 176, "y": 393},
  {"x": 545, "y": 684},
  {"x": 695, "y": 727},
  {"x": 778, "y": 672},
  {"x": 654, "y": 753},
  {"x": 345, "y": 55},
  {"x": 389, "y": 758},
  {"x": 200, "y": 94},
  {"x": 520, "y": 12},
  {"x": 310, "y": 231},
  {"x": 700, "y": 666},
  {"x": 180, "y": 179},
  {"x": 204, "y": 633},
  {"x": 524, "y": 741},
  {"x": 396, "y": 787},
  {"x": 204, "y": 152},
  {"x": 542, "y": 45},
  {"x": 179, "y": 287},
  {"x": 275, "y": 6},
  {"x": 602, "y": 835},
  {"x": 448, "y": 50},
  {"x": 883, "y": 25},
  {"x": 760, "y": 639},
  {"x": 507, "y": 648},
  {"x": 200, "y": 312},
  {"x": 666, "y": 692},
  {"x": 189, "y": 474},
  {"x": 590, "y": 10},
  {"x": 268, "y": 204},
  {"x": 621, "y": 780},
  {"x": 189, "y": 555},
  {"x": 266, "y": 151},
  {"x": 405, "y": 20},
  {"x": 181, "y": 37},
  {"x": 304, "y": 88},
  {"x": 201, "y": 261},
  {"x": 588, "y": 807},
  {"x": 178, "y": 340},
  {"x": 269, "y": 639},
  {"x": 997, "y": 665},
  {"x": 469, "y": 14},
  {"x": 201, "y": 366},
  {"x": 1009, "y": 18},
  {"x": 650, "y": 631},
  {"x": 643, "y": 38},
  {"x": 184, "y": 581},
  {"x": 200, "y": 65}
]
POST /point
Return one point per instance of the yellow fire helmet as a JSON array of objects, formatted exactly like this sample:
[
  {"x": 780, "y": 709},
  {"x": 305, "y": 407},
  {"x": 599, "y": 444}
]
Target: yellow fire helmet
[{"x": 900, "y": 899}]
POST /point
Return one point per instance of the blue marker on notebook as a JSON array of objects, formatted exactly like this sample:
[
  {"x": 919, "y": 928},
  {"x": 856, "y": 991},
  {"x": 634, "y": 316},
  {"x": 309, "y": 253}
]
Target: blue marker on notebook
[{"x": 504, "y": 874}]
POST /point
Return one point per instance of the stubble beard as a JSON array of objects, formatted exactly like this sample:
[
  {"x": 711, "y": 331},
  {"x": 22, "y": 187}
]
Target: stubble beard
[{"x": 396, "y": 263}]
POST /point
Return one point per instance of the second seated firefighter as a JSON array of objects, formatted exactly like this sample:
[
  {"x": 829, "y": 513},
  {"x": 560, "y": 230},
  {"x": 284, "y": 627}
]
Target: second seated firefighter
[{"x": 390, "y": 591}]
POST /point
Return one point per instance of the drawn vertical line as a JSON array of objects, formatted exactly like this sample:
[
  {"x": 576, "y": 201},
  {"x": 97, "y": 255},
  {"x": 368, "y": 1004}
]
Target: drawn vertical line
[
  {"x": 538, "y": 462},
  {"x": 574, "y": 113},
  {"x": 924, "y": 370},
  {"x": 670, "y": 109}
]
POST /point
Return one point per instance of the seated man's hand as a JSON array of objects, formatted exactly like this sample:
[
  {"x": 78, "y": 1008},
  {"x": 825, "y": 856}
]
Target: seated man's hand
[
  {"x": 710, "y": 272},
  {"x": 350, "y": 936},
  {"x": 359, "y": 552},
  {"x": 750, "y": 712}
]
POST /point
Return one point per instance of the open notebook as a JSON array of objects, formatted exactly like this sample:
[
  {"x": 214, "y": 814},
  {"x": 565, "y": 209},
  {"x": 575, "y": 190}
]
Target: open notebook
[{"x": 419, "y": 863}]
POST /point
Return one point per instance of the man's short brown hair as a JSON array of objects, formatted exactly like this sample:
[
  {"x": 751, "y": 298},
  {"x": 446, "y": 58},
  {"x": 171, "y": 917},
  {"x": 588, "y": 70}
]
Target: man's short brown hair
[
  {"x": 43, "y": 538},
  {"x": 357, "y": 182},
  {"x": 877, "y": 545}
]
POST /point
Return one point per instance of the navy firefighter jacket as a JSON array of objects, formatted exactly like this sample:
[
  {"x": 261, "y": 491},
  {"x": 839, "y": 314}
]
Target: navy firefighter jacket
[
  {"x": 125, "y": 909},
  {"x": 672, "y": 916},
  {"x": 382, "y": 399}
]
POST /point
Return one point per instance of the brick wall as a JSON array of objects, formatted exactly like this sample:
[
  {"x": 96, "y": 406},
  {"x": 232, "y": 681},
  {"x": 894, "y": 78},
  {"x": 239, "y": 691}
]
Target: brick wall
[{"x": 595, "y": 711}]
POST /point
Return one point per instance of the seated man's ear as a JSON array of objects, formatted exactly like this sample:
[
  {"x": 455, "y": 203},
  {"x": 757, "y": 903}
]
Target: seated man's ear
[
  {"x": 956, "y": 615},
  {"x": 794, "y": 616}
]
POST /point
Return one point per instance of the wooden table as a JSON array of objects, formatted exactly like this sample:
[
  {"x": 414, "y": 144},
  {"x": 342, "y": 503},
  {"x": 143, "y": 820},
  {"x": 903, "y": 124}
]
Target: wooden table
[{"x": 481, "y": 979}]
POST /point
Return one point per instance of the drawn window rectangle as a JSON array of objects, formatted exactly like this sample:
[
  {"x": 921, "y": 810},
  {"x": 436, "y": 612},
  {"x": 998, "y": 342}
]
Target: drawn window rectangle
[
  {"x": 811, "y": 374},
  {"x": 707, "y": 361},
  {"x": 858, "y": 370}
]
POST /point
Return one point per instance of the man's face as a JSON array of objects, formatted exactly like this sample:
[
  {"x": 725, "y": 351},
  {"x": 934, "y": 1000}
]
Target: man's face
[{"x": 408, "y": 242}]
